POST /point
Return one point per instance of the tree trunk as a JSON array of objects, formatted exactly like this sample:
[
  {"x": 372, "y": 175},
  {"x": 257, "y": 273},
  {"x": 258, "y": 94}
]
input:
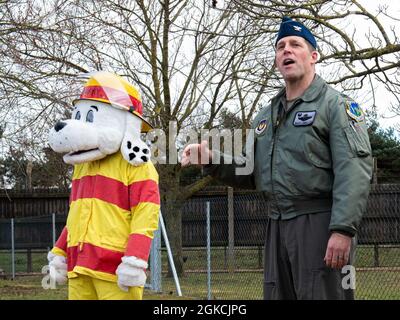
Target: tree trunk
[
  {"x": 171, "y": 204},
  {"x": 29, "y": 168},
  {"x": 173, "y": 222},
  {"x": 173, "y": 197}
]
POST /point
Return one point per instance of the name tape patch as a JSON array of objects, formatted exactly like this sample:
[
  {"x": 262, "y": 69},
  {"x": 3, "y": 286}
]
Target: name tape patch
[{"x": 304, "y": 118}]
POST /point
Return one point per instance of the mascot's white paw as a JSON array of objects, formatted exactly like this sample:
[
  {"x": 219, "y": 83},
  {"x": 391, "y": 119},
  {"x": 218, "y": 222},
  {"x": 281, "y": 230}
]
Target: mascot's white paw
[
  {"x": 135, "y": 151},
  {"x": 58, "y": 268},
  {"x": 131, "y": 273}
]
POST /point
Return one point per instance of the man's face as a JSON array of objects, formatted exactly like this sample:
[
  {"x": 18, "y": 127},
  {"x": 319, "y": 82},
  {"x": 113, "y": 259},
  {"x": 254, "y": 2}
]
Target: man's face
[{"x": 294, "y": 58}]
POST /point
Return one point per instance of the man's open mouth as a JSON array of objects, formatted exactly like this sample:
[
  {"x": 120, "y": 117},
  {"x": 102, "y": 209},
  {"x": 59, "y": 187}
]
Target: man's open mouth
[
  {"x": 287, "y": 62},
  {"x": 81, "y": 151}
]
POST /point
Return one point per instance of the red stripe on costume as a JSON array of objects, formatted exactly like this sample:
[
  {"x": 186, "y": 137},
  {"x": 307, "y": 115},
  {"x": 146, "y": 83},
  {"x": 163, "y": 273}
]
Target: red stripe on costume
[
  {"x": 144, "y": 191},
  {"x": 62, "y": 240},
  {"x": 103, "y": 188},
  {"x": 70, "y": 197},
  {"x": 113, "y": 96},
  {"x": 94, "y": 258},
  {"x": 72, "y": 256},
  {"x": 138, "y": 246}
]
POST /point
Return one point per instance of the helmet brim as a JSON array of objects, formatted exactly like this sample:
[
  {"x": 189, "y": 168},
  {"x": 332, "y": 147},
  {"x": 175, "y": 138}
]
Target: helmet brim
[{"x": 146, "y": 126}]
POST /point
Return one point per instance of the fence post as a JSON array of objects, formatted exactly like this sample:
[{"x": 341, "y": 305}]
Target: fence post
[
  {"x": 208, "y": 228},
  {"x": 29, "y": 260},
  {"x": 260, "y": 257},
  {"x": 376, "y": 255},
  {"x": 53, "y": 216},
  {"x": 12, "y": 250},
  {"x": 155, "y": 262},
  {"x": 231, "y": 232}
]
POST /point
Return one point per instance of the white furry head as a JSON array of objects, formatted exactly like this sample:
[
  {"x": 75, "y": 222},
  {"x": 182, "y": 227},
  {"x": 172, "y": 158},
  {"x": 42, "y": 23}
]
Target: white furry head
[{"x": 96, "y": 130}]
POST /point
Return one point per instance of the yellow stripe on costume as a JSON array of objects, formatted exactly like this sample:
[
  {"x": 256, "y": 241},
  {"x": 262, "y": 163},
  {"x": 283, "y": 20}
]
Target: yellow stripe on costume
[
  {"x": 144, "y": 213},
  {"x": 116, "y": 167},
  {"x": 59, "y": 252},
  {"x": 99, "y": 223},
  {"x": 91, "y": 273},
  {"x": 147, "y": 172}
]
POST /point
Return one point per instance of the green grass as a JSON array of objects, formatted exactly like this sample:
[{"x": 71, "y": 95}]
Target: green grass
[
  {"x": 246, "y": 283},
  {"x": 39, "y": 259},
  {"x": 29, "y": 288},
  {"x": 196, "y": 258},
  {"x": 378, "y": 285},
  {"x": 375, "y": 285},
  {"x": 235, "y": 286}
]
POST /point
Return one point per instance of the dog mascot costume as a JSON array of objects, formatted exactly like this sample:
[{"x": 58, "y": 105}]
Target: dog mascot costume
[{"x": 114, "y": 202}]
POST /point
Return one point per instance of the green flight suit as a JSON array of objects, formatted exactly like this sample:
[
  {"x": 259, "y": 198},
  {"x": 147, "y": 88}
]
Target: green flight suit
[{"x": 312, "y": 158}]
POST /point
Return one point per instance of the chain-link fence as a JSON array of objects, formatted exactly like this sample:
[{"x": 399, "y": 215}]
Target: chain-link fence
[
  {"x": 237, "y": 229},
  {"x": 378, "y": 253},
  {"x": 24, "y": 243},
  {"x": 233, "y": 267},
  {"x": 237, "y": 233}
]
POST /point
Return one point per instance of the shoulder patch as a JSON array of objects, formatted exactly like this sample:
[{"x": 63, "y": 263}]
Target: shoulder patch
[
  {"x": 262, "y": 125},
  {"x": 354, "y": 111}
]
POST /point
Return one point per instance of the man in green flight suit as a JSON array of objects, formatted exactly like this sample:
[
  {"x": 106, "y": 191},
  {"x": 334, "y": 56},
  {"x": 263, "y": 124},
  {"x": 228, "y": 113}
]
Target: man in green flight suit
[{"x": 312, "y": 161}]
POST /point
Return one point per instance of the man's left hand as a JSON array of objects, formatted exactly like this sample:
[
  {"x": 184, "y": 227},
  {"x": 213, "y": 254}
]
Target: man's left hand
[{"x": 337, "y": 251}]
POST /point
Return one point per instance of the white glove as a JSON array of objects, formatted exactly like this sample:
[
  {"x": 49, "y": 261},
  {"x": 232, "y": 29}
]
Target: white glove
[
  {"x": 58, "y": 268},
  {"x": 131, "y": 273}
]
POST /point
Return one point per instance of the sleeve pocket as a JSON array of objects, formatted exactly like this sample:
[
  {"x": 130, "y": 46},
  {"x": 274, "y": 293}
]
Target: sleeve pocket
[{"x": 357, "y": 143}]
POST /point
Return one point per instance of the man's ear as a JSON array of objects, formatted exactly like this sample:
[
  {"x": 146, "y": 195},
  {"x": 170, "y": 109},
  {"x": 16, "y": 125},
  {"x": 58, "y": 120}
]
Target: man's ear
[
  {"x": 315, "y": 56},
  {"x": 133, "y": 149}
]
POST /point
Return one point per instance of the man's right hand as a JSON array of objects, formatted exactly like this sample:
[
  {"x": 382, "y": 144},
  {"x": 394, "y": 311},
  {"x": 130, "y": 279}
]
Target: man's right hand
[
  {"x": 58, "y": 268},
  {"x": 196, "y": 154}
]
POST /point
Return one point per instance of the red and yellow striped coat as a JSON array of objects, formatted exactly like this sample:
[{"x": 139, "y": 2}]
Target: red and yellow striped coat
[{"x": 114, "y": 210}]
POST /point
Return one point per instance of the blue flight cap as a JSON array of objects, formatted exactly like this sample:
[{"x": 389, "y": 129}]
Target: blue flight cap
[{"x": 290, "y": 27}]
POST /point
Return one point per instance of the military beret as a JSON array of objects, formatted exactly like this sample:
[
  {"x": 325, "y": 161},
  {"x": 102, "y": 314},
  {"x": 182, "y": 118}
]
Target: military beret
[{"x": 290, "y": 27}]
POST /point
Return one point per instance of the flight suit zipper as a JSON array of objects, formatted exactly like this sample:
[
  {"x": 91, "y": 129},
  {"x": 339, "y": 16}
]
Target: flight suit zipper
[
  {"x": 274, "y": 137},
  {"x": 281, "y": 117}
]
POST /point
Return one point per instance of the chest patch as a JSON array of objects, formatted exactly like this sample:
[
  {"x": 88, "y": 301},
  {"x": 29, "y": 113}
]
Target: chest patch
[
  {"x": 304, "y": 118},
  {"x": 262, "y": 125}
]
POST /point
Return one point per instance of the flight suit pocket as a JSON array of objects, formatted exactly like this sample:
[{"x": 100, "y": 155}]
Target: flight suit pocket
[
  {"x": 320, "y": 163},
  {"x": 326, "y": 285},
  {"x": 270, "y": 291},
  {"x": 358, "y": 145},
  {"x": 310, "y": 172}
]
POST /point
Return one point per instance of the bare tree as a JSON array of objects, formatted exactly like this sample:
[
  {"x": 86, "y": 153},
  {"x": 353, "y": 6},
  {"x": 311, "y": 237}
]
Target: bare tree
[
  {"x": 190, "y": 59},
  {"x": 355, "y": 45}
]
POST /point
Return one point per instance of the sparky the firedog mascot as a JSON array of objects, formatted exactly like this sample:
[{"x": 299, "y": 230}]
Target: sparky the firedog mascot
[{"x": 114, "y": 201}]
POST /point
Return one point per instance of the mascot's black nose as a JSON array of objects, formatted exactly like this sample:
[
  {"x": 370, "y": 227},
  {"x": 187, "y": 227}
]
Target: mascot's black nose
[{"x": 59, "y": 125}]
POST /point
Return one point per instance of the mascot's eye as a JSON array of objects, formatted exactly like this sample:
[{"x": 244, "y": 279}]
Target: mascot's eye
[
  {"x": 78, "y": 115},
  {"x": 90, "y": 116}
]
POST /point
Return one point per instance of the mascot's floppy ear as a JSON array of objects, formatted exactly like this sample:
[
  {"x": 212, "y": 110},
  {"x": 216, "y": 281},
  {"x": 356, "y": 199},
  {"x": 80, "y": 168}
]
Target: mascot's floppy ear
[{"x": 134, "y": 150}]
